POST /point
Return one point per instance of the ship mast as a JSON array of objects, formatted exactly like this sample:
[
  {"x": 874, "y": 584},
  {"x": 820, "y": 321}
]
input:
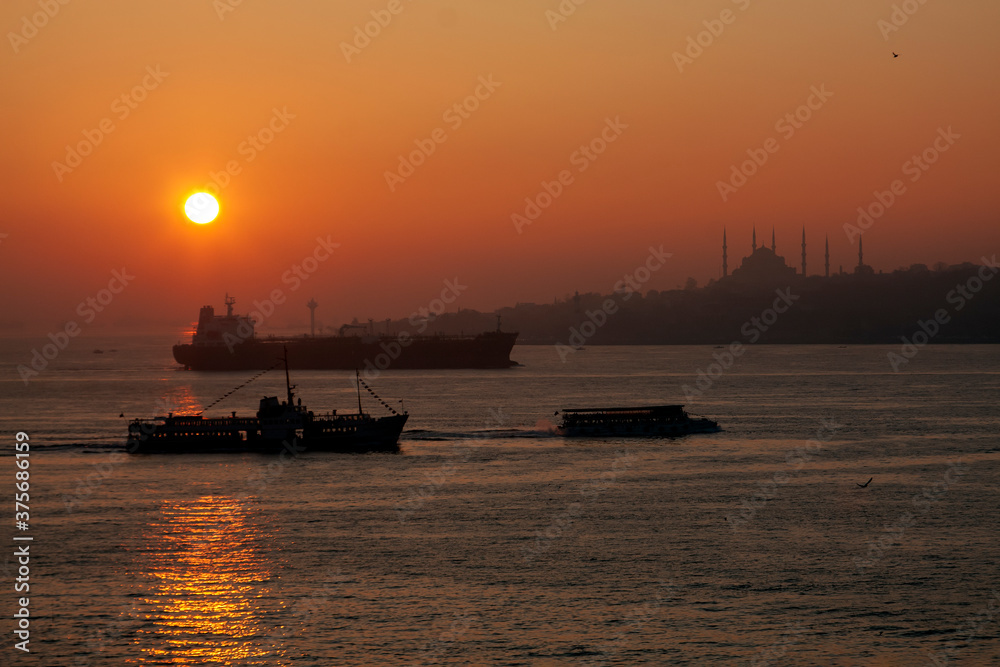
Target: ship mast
[
  {"x": 288, "y": 382},
  {"x": 357, "y": 377}
]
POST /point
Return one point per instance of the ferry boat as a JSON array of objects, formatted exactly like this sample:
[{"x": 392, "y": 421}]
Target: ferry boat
[
  {"x": 648, "y": 421},
  {"x": 229, "y": 343},
  {"x": 278, "y": 426}
]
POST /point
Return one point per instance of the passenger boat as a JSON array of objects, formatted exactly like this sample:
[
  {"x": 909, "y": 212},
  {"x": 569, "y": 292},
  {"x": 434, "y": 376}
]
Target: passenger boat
[
  {"x": 278, "y": 426},
  {"x": 649, "y": 421}
]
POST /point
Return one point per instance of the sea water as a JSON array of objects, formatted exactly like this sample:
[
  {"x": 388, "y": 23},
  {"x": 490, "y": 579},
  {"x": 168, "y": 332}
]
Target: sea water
[{"x": 489, "y": 540}]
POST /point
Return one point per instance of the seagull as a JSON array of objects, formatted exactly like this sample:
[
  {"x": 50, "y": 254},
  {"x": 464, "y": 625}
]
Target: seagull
[
  {"x": 895, "y": 55},
  {"x": 866, "y": 483}
]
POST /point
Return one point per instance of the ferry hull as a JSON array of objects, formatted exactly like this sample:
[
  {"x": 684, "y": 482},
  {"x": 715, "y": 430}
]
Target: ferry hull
[
  {"x": 377, "y": 435},
  {"x": 188, "y": 445},
  {"x": 343, "y": 435},
  {"x": 649, "y": 421}
]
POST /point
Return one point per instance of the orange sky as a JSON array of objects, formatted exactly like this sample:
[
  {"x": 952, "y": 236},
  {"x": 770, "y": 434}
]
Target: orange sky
[{"x": 324, "y": 173}]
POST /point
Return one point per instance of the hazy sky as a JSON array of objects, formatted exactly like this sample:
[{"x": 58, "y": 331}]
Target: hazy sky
[{"x": 153, "y": 98}]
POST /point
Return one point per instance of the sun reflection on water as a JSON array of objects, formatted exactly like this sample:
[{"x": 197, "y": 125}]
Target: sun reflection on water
[
  {"x": 209, "y": 581},
  {"x": 180, "y": 400}
]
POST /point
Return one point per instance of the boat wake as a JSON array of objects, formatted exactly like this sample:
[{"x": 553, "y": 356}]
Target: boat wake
[
  {"x": 90, "y": 447},
  {"x": 543, "y": 430},
  {"x": 429, "y": 435}
]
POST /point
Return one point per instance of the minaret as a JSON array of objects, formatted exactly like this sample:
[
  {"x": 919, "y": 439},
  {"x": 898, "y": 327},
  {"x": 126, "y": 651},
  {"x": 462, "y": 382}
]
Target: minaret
[
  {"x": 312, "y": 316},
  {"x": 827, "y": 255},
  {"x": 861, "y": 254},
  {"x": 725, "y": 259},
  {"x": 755, "y": 237},
  {"x": 803, "y": 250},
  {"x": 774, "y": 248}
]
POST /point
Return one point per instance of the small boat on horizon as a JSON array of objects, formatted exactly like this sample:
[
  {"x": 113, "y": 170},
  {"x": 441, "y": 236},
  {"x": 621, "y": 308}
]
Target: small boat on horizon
[{"x": 664, "y": 421}]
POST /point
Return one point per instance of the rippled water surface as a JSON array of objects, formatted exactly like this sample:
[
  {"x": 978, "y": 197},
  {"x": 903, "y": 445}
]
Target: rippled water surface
[{"x": 489, "y": 540}]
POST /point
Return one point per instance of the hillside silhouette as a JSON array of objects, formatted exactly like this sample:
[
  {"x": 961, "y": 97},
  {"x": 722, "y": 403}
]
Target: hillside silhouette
[{"x": 949, "y": 304}]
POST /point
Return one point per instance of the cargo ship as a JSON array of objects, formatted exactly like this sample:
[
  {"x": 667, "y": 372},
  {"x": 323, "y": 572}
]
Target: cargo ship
[
  {"x": 649, "y": 421},
  {"x": 229, "y": 343},
  {"x": 278, "y": 426}
]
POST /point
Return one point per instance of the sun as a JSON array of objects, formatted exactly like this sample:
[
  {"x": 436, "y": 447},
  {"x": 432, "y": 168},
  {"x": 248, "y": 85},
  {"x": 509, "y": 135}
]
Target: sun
[{"x": 201, "y": 207}]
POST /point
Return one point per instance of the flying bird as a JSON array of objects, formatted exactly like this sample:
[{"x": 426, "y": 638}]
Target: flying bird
[
  {"x": 866, "y": 483},
  {"x": 895, "y": 55}
]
